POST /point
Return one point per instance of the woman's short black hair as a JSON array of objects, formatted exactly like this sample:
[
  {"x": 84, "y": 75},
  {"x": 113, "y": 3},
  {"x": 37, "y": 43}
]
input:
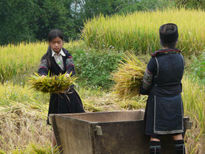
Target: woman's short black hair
[
  {"x": 55, "y": 33},
  {"x": 169, "y": 35}
]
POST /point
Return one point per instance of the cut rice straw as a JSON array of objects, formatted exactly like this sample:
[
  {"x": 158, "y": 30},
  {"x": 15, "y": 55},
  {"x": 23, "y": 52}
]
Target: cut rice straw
[
  {"x": 128, "y": 77},
  {"x": 52, "y": 84}
]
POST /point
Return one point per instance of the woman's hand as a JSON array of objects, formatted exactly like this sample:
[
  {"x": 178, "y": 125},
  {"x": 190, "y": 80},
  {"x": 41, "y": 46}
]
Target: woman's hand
[{"x": 67, "y": 75}]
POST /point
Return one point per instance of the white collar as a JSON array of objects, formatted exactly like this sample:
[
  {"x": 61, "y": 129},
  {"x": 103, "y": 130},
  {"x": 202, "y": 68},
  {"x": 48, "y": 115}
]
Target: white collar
[{"x": 60, "y": 53}]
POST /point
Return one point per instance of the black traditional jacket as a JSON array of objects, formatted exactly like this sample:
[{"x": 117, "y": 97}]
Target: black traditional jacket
[
  {"x": 164, "y": 73},
  {"x": 49, "y": 65}
]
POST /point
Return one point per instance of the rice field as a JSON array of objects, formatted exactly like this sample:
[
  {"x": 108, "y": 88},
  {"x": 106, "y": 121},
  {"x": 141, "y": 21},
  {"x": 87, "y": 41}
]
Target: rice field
[
  {"x": 194, "y": 106},
  {"x": 22, "y": 118},
  {"x": 23, "y": 111},
  {"x": 140, "y": 31},
  {"x": 17, "y": 61}
]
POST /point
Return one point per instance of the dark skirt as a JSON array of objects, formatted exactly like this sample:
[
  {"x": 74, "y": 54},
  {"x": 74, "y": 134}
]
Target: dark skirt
[
  {"x": 164, "y": 115},
  {"x": 68, "y": 102}
]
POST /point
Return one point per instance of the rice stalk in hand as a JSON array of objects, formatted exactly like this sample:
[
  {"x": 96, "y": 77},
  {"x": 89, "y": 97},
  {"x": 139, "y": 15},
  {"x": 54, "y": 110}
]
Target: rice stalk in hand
[
  {"x": 52, "y": 84},
  {"x": 128, "y": 78}
]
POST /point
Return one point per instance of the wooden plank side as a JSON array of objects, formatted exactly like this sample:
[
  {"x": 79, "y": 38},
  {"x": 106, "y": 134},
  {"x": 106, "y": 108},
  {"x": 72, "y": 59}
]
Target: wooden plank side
[
  {"x": 121, "y": 138},
  {"x": 126, "y": 137},
  {"x": 78, "y": 135},
  {"x": 74, "y": 135}
]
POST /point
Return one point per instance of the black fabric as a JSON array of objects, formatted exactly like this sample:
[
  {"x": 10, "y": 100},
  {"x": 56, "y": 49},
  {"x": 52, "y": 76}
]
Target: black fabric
[
  {"x": 171, "y": 69},
  {"x": 149, "y": 117},
  {"x": 168, "y": 35},
  {"x": 155, "y": 147},
  {"x": 69, "y": 102},
  {"x": 163, "y": 116},
  {"x": 168, "y": 116},
  {"x": 179, "y": 147}
]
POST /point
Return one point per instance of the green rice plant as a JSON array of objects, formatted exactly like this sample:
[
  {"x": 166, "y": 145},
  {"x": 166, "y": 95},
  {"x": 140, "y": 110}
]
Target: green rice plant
[
  {"x": 194, "y": 101},
  {"x": 198, "y": 67},
  {"x": 37, "y": 149},
  {"x": 52, "y": 84},
  {"x": 140, "y": 31},
  {"x": 193, "y": 96},
  {"x": 128, "y": 77},
  {"x": 2, "y": 152},
  {"x": 19, "y": 61}
]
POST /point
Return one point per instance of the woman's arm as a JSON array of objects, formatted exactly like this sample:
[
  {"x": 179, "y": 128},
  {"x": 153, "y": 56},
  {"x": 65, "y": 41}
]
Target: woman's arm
[
  {"x": 70, "y": 65},
  {"x": 148, "y": 77},
  {"x": 43, "y": 67}
]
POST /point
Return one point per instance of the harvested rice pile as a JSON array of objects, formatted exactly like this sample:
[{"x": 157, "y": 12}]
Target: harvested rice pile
[
  {"x": 21, "y": 125},
  {"x": 52, "y": 84},
  {"x": 128, "y": 78}
]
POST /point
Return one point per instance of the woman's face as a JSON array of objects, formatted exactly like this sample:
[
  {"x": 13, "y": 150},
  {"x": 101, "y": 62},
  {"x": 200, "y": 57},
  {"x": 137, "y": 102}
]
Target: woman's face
[{"x": 56, "y": 44}]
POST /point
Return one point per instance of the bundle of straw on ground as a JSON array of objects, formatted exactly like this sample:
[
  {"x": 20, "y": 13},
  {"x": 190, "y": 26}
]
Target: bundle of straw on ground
[
  {"x": 52, "y": 84},
  {"x": 128, "y": 78}
]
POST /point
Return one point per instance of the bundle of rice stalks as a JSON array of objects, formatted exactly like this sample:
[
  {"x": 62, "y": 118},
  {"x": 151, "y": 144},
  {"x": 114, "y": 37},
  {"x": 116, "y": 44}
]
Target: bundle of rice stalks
[
  {"x": 128, "y": 78},
  {"x": 52, "y": 84}
]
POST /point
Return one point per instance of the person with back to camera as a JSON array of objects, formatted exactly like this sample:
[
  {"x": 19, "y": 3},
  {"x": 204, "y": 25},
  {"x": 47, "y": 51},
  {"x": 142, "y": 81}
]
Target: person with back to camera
[{"x": 162, "y": 84}]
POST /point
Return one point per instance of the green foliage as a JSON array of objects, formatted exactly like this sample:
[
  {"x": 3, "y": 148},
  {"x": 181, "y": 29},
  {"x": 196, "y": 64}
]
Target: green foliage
[
  {"x": 2, "y": 152},
  {"x": 198, "y": 67},
  {"x": 193, "y": 4},
  {"x": 96, "y": 7},
  {"x": 144, "y": 5},
  {"x": 32, "y": 19},
  {"x": 94, "y": 67},
  {"x": 52, "y": 14},
  {"x": 37, "y": 149},
  {"x": 15, "y": 17}
]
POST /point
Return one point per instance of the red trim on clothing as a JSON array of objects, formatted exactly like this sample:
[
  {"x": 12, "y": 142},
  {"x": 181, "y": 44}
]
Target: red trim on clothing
[
  {"x": 164, "y": 51},
  {"x": 43, "y": 67}
]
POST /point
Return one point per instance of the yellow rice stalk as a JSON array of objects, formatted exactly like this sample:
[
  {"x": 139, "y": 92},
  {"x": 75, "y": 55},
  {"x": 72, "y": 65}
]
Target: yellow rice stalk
[
  {"x": 128, "y": 78},
  {"x": 139, "y": 31},
  {"x": 52, "y": 84}
]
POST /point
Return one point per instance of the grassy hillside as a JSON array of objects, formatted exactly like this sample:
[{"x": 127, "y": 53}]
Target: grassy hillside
[{"x": 140, "y": 31}]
